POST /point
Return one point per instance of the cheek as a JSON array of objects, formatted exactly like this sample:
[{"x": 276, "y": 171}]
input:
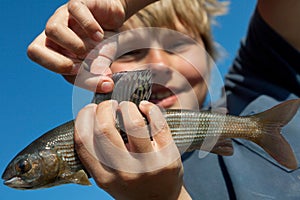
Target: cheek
[
  {"x": 200, "y": 90},
  {"x": 193, "y": 64},
  {"x": 195, "y": 70}
]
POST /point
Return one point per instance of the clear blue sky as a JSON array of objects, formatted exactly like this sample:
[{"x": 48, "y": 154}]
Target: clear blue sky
[{"x": 34, "y": 100}]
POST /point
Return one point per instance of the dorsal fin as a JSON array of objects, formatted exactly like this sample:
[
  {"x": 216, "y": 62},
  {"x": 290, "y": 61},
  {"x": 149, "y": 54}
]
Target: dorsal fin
[{"x": 134, "y": 86}]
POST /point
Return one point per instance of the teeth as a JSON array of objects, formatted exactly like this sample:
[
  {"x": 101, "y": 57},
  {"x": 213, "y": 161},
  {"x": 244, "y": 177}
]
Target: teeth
[{"x": 161, "y": 95}]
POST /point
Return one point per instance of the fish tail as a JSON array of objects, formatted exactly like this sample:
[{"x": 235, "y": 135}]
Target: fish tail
[
  {"x": 271, "y": 140},
  {"x": 134, "y": 86}
]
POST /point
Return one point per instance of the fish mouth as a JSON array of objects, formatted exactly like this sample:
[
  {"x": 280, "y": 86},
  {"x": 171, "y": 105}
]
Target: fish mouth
[
  {"x": 8, "y": 175},
  {"x": 16, "y": 182},
  {"x": 13, "y": 181}
]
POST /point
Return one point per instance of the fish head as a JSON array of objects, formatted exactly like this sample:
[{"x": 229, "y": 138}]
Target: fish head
[{"x": 31, "y": 170}]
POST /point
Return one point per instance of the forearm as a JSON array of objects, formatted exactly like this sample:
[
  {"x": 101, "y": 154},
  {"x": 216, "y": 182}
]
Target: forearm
[
  {"x": 133, "y": 6},
  {"x": 283, "y": 16}
]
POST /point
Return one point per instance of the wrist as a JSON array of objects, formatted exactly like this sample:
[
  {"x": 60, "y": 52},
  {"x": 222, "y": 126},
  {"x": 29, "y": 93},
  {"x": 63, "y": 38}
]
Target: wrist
[
  {"x": 133, "y": 6},
  {"x": 184, "y": 195}
]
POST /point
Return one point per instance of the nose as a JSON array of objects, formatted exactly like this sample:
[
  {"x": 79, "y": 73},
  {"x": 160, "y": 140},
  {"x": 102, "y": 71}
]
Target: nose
[
  {"x": 158, "y": 57},
  {"x": 160, "y": 63}
]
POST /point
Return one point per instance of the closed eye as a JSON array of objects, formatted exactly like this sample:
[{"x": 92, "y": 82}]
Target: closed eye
[{"x": 133, "y": 55}]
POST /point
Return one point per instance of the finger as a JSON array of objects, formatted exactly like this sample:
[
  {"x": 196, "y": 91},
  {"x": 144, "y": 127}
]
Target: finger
[
  {"x": 100, "y": 58},
  {"x": 57, "y": 29},
  {"x": 99, "y": 84},
  {"x": 136, "y": 129},
  {"x": 110, "y": 148},
  {"x": 50, "y": 59},
  {"x": 56, "y": 62},
  {"x": 84, "y": 127},
  {"x": 83, "y": 139},
  {"x": 92, "y": 82},
  {"x": 159, "y": 128},
  {"x": 105, "y": 124},
  {"x": 167, "y": 151},
  {"x": 81, "y": 13},
  {"x": 105, "y": 53}
]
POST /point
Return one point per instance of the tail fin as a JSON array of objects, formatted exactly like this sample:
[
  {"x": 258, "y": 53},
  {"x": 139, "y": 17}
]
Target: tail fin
[{"x": 272, "y": 141}]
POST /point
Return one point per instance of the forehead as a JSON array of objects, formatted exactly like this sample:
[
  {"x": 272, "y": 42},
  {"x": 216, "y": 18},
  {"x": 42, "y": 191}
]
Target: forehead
[
  {"x": 152, "y": 37},
  {"x": 176, "y": 25}
]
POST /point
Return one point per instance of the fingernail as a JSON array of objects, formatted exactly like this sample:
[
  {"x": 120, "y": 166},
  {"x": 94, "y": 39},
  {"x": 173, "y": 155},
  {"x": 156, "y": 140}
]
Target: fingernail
[
  {"x": 90, "y": 105},
  {"x": 144, "y": 103},
  {"x": 75, "y": 68},
  {"x": 98, "y": 36},
  {"x": 107, "y": 86}
]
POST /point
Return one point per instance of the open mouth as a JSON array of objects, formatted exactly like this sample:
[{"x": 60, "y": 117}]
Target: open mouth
[
  {"x": 162, "y": 96},
  {"x": 157, "y": 97}
]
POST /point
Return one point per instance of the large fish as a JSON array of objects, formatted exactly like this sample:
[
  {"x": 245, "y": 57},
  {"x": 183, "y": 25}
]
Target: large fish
[{"x": 52, "y": 160}]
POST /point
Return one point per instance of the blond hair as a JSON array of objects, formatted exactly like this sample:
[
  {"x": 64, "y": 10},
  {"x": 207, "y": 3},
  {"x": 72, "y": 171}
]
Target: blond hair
[{"x": 196, "y": 16}]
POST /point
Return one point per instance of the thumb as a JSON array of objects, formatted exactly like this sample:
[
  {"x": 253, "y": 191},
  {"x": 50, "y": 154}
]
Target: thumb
[
  {"x": 104, "y": 54},
  {"x": 96, "y": 66}
]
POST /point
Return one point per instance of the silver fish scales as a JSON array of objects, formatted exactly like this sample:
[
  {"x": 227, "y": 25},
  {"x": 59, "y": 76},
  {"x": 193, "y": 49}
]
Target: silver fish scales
[{"x": 52, "y": 160}]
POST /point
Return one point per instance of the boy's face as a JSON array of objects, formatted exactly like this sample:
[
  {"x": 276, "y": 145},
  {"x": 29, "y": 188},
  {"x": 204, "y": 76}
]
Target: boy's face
[{"x": 178, "y": 62}]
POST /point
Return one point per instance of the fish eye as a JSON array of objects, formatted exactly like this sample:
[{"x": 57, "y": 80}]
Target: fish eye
[{"x": 23, "y": 166}]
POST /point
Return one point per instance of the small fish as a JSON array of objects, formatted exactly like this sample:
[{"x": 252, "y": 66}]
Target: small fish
[{"x": 51, "y": 159}]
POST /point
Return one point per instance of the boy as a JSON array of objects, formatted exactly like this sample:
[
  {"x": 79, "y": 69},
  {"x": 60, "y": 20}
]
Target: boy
[{"x": 203, "y": 177}]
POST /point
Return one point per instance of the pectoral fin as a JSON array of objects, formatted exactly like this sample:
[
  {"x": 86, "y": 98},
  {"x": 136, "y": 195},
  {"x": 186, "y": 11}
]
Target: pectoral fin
[
  {"x": 81, "y": 178},
  {"x": 223, "y": 147}
]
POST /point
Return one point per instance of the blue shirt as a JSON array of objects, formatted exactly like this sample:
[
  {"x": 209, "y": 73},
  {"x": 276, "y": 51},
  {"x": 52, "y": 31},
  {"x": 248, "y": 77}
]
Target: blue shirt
[{"x": 265, "y": 72}]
